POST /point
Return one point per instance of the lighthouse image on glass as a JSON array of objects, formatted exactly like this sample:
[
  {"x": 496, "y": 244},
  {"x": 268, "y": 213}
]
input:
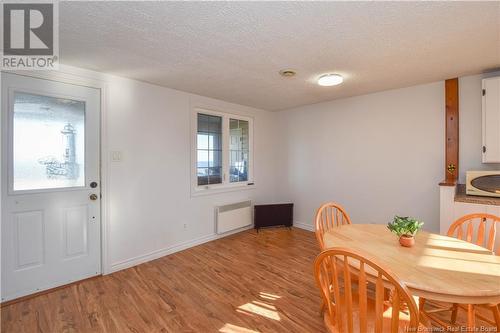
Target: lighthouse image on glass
[
  {"x": 67, "y": 168},
  {"x": 69, "y": 156}
]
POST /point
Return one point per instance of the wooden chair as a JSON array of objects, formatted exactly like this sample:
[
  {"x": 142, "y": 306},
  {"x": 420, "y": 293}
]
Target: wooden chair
[
  {"x": 328, "y": 216},
  {"x": 348, "y": 305},
  {"x": 464, "y": 229}
]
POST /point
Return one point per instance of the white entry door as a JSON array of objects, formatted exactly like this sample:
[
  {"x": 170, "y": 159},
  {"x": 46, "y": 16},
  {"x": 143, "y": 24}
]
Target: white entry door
[{"x": 50, "y": 184}]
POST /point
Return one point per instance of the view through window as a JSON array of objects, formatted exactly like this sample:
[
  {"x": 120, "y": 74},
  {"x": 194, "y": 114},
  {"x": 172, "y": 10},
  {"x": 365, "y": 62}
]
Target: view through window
[{"x": 223, "y": 149}]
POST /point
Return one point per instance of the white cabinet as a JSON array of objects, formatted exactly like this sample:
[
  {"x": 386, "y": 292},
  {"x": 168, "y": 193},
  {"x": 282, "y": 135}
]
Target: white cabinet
[{"x": 491, "y": 120}]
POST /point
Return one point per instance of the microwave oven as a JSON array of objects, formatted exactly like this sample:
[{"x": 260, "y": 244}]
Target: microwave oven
[{"x": 485, "y": 183}]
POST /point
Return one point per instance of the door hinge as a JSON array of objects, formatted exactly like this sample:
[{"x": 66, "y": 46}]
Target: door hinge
[
  {"x": 484, "y": 149},
  {"x": 484, "y": 92}
]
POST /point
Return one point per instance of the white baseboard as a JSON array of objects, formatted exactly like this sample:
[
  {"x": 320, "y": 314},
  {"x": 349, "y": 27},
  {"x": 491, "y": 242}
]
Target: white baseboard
[
  {"x": 169, "y": 250},
  {"x": 305, "y": 226}
]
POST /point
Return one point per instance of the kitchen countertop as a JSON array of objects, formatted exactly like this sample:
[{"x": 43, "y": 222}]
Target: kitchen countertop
[{"x": 460, "y": 196}]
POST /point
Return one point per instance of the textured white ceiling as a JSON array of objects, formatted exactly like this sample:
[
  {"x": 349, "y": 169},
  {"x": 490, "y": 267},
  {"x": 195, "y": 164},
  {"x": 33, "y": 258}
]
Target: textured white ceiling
[{"x": 234, "y": 50}]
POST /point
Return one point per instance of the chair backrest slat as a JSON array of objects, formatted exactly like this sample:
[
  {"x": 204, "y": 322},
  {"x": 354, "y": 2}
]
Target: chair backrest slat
[
  {"x": 324, "y": 220},
  {"x": 395, "y": 313},
  {"x": 362, "y": 300},
  {"x": 480, "y": 232},
  {"x": 341, "y": 308},
  {"x": 456, "y": 229},
  {"x": 470, "y": 231},
  {"x": 329, "y": 216},
  {"x": 492, "y": 236},
  {"x": 348, "y": 294},
  {"x": 379, "y": 304},
  {"x": 336, "y": 288}
]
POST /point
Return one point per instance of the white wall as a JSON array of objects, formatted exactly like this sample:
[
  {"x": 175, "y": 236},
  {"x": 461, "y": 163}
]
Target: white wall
[
  {"x": 149, "y": 189},
  {"x": 470, "y": 154},
  {"x": 148, "y": 210},
  {"x": 378, "y": 155}
]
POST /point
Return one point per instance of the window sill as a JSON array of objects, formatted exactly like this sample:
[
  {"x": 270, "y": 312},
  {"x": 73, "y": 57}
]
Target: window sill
[{"x": 202, "y": 190}]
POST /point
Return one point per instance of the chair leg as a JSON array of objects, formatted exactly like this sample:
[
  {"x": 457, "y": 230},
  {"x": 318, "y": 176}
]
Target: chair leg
[
  {"x": 422, "y": 317},
  {"x": 496, "y": 315},
  {"x": 471, "y": 317},
  {"x": 454, "y": 312},
  {"x": 421, "y": 303},
  {"x": 322, "y": 308}
]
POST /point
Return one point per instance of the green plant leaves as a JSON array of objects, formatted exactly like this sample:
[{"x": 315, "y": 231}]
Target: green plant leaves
[{"x": 407, "y": 226}]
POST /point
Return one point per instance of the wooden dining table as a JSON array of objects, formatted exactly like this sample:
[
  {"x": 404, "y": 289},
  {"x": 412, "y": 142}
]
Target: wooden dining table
[{"x": 437, "y": 267}]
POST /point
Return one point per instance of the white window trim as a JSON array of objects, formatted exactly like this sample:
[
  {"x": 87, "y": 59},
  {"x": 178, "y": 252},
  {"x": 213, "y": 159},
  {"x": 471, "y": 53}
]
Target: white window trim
[{"x": 225, "y": 186}]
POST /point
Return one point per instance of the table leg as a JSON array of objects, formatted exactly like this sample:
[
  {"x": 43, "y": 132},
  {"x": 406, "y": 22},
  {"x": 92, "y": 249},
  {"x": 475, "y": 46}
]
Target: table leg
[
  {"x": 454, "y": 312},
  {"x": 471, "y": 317}
]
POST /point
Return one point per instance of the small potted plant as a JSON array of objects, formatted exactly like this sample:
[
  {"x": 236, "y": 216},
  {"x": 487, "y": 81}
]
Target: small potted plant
[{"x": 406, "y": 228}]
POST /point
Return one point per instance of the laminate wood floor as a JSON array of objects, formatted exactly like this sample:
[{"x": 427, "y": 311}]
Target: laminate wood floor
[{"x": 247, "y": 282}]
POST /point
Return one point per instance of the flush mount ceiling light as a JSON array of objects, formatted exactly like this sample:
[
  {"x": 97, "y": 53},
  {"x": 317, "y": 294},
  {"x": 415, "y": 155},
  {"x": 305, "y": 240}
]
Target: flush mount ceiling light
[
  {"x": 328, "y": 80},
  {"x": 287, "y": 72}
]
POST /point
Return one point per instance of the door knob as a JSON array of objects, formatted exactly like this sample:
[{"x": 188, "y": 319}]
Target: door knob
[{"x": 93, "y": 196}]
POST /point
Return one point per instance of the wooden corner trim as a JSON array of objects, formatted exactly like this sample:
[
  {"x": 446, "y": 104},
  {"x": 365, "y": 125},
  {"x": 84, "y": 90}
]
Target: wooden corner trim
[{"x": 451, "y": 170}]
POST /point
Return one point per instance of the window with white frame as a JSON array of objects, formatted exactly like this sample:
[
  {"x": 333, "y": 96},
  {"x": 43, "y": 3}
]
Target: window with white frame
[{"x": 223, "y": 150}]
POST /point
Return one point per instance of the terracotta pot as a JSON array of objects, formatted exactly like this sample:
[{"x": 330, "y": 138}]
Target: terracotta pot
[{"x": 407, "y": 241}]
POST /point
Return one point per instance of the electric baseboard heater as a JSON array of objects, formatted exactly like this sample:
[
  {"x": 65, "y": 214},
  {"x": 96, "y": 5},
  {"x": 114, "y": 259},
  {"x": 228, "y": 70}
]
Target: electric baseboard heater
[{"x": 233, "y": 216}]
